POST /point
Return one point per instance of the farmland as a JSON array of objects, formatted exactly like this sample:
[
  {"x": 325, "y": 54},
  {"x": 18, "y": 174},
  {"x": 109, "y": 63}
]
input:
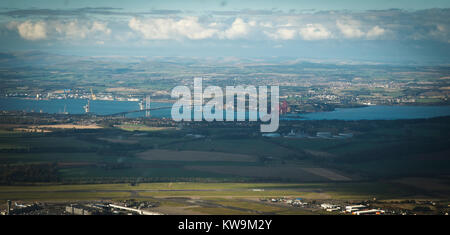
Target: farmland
[
  {"x": 228, "y": 170},
  {"x": 378, "y": 150}
]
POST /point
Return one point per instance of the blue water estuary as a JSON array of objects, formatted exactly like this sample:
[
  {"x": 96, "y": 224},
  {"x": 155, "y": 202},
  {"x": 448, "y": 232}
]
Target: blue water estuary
[
  {"x": 104, "y": 107},
  {"x": 75, "y": 106},
  {"x": 380, "y": 112}
]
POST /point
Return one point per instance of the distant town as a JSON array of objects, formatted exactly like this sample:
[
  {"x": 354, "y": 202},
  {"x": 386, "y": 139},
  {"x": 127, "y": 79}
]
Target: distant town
[{"x": 305, "y": 86}]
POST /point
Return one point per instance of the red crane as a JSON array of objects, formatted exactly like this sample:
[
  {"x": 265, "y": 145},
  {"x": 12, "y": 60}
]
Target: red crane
[{"x": 284, "y": 107}]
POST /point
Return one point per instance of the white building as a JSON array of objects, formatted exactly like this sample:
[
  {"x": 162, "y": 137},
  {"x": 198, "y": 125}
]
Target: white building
[
  {"x": 369, "y": 212},
  {"x": 354, "y": 208}
]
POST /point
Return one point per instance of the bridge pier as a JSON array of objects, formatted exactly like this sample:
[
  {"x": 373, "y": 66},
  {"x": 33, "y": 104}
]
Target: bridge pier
[{"x": 147, "y": 106}]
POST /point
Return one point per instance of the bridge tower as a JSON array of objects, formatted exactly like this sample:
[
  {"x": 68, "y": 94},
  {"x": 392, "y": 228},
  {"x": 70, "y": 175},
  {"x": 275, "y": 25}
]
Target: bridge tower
[
  {"x": 87, "y": 107},
  {"x": 147, "y": 106}
]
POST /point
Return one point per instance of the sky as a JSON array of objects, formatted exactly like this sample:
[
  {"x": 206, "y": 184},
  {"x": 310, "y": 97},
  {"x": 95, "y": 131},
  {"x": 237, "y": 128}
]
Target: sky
[{"x": 386, "y": 31}]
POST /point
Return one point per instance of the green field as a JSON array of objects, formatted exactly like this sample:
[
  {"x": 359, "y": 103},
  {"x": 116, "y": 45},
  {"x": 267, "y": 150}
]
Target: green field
[
  {"x": 104, "y": 163},
  {"x": 352, "y": 191}
]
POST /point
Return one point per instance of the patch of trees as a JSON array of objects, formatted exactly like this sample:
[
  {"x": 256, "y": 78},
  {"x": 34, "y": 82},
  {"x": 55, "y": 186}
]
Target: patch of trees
[
  {"x": 11, "y": 174},
  {"x": 422, "y": 209}
]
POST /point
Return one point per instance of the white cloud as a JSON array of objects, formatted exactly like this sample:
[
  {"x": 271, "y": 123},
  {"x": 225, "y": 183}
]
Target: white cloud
[
  {"x": 440, "y": 33},
  {"x": 375, "y": 32},
  {"x": 71, "y": 30},
  {"x": 282, "y": 34},
  {"x": 32, "y": 31},
  {"x": 189, "y": 27},
  {"x": 441, "y": 28},
  {"x": 287, "y": 34},
  {"x": 350, "y": 29},
  {"x": 238, "y": 29},
  {"x": 100, "y": 27},
  {"x": 76, "y": 30},
  {"x": 266, "y": 24},
  {"x": 277, "y": 27},
  {"x": 166, "y": 28},
  {"x": 152, "y": 29},
  {"x": 53, "y": 29},
  {"x": 315, "y": 32}
]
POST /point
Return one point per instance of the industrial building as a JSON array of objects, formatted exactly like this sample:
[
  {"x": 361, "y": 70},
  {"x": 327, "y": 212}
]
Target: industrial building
[
  {"x": 330, "y": 207},
  {"x": 369, "y": 212},
  {"x": 79, "y": 210},
  {"x": 353, "y": 208},
  {"x": 19, "y": 209},
  {"x": 134, "y": 210}
]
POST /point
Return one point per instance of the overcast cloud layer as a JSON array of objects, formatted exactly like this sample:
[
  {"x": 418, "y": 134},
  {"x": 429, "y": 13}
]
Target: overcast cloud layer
[
  {"x": 158, "y": 28},
  {"x": 46, "y": 24}
]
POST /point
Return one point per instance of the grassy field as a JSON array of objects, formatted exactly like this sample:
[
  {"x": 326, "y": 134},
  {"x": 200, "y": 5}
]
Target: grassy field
[
  {"x": 255, "y": 147},
  {"x": 353, "y": 190}
]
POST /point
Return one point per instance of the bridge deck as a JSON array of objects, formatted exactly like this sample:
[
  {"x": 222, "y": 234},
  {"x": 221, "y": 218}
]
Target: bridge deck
[{"x": 137, "y": 111}]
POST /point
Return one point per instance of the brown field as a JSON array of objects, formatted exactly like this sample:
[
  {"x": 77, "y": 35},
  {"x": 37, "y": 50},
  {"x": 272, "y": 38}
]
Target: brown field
[
  {"x": 327, "y": 174},
  {"x": 274, "y": 172},
  {"x": 172, "y": 155}
]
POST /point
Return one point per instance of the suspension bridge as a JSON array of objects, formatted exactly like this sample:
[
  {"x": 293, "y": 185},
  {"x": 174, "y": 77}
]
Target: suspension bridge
[
  {"x": 147, "y": 111},
  {"x": 142, "y": 104}
]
